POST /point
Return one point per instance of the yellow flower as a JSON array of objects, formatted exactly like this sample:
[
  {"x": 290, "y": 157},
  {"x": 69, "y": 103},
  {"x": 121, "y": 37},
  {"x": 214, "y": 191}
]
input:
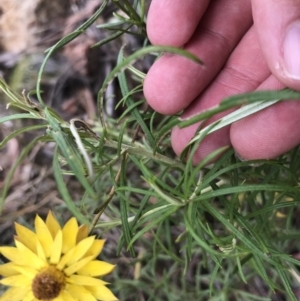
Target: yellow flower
[{"x": 55, "y": 263}]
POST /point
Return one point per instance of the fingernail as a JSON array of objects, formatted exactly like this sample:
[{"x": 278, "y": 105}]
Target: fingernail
[{"x": 291, "y": 51}]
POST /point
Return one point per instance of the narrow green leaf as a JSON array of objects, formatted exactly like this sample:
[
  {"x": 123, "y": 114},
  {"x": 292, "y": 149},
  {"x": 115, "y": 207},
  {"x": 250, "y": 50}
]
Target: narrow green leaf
[
  {"x": 62, "y": 42},
  {"x": 244, "y": 188},
  {"x": 199, "y": 241},
  {"x": 62, "y": 188},
  {"x": 286, "y": 283},
  {"x": 70, "y": 152},
  {"x": 131, "y": 103},
  {"x": 165, "y": 249},
  {"x": 18, "y": 116},
  {"x": 124, "y": 207},
  {"x": 240, "y": 236},
  {"x": 240, "y": 269},
  {"x": 254, "y": 102},
  {"x": 156, "y": 218},
  {"x": 134, "y": 222},
  {"x": 213, "y": 277},
  {"x": 112, "y": 37},
  {"x": 20, "y": 131}
]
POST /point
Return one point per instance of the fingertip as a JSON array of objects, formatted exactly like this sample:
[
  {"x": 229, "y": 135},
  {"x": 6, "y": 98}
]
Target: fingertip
[
  {"x": 278, "y": 29},
  {"x": 167, "y": 86},
  {"x": 173, "y": 22},
  {"x": 159, "y": 92}
]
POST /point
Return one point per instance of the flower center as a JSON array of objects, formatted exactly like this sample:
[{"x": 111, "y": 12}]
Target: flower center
[{"x": 48, "y": 283}]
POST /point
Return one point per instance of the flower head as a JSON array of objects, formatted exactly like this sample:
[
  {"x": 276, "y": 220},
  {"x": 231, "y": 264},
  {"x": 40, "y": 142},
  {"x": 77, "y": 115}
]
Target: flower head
[{"x": 55, "y": 263}]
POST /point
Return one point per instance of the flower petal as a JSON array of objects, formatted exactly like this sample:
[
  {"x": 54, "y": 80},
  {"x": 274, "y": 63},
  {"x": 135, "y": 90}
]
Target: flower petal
[
  {"x": 77, "y": 265},
  {"x": 44, "y": 235},
  {"x": 52, "y": 224},
  {"x": 80, "y": 293},
  {"x": 40, "y": 251},
  {"x": 29, "y": 296},
  {"x": 84, "y": 280},
  {"x": 95, "y": 248},
  {"x": 69, "y": 231},
  {"x": 26, "y": 236},
  {"x": 66, "y": 296},
  {"x": 102, "y": 293},
  {"x": 96, "y": 268},
  {"x": 64, "y": 260},
  {"x": 7, "y": 269},
  {"x": 30, "y": 258},
  {"x": 56, "y": 248},
  {"x": 81, "y": 249},
  {"x": 17, "y": 280},
  {"x": 26, "y": 271},
  {"x": 15, "y": 294},
  {"x": 13, "y": 254},
  {"x": 83, "y": 232},
  {"x": 22, "y": 256},
  {"x": 58, "y": 298}
]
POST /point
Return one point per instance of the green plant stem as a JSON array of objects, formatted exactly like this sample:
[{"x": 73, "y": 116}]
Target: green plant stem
[{"x": 136, "y": 150}]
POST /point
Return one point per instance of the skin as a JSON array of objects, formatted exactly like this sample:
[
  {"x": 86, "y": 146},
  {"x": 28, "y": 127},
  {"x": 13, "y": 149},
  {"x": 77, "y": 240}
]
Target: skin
[{"x": 245, "y": 45}]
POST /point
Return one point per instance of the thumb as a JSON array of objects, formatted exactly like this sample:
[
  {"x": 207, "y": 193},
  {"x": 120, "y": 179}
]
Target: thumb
[{"x": 277, "y": 23}]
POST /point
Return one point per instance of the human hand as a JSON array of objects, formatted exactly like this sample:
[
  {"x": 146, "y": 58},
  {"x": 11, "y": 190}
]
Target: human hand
[{"x": 239, "y": 57}]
